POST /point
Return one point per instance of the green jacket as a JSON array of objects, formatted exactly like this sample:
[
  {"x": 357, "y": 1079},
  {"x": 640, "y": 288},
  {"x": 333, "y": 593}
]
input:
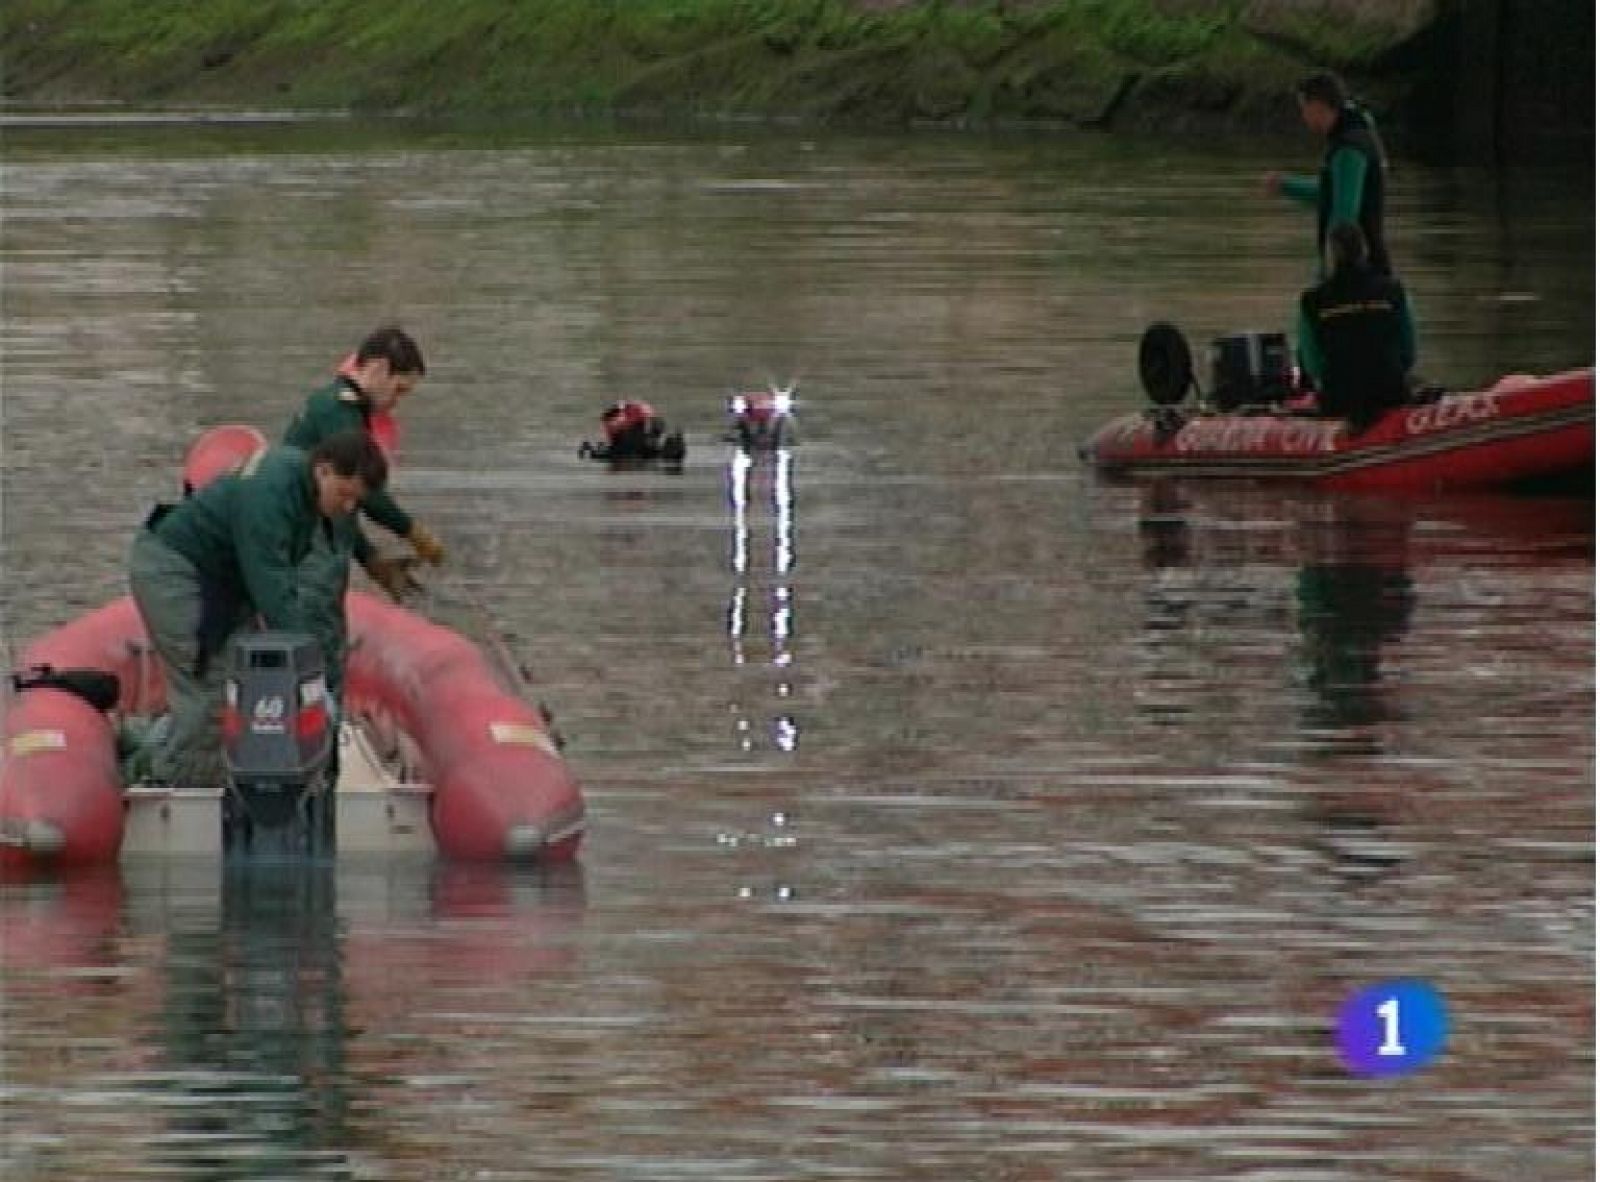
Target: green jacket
[
  {"x": 342, "y": 406},
  {"x": 1348, "y": 170},
  {"x": 248, "y": 531},
  {"x": 1346, "y": 174}
]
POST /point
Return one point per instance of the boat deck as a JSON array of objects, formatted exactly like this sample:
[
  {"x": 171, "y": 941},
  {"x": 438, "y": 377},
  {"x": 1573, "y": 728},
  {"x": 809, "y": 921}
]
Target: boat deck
[{"x": 379, "y": 810}]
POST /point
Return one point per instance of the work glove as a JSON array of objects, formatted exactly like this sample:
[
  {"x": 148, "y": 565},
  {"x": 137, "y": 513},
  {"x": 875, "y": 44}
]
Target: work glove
[
  {"x": 428, "y": 547},
  {"x": 393, "y": 574}
]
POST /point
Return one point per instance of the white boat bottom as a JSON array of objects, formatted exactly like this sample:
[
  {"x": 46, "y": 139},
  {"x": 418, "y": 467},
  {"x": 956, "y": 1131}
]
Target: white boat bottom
[{"x": 380, "y": 809}]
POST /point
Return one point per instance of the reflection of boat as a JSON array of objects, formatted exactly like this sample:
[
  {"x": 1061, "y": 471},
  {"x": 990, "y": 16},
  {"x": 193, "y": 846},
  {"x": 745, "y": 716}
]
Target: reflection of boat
[
  {"x": 1355, "y": 598},
  {"x": 251, "y": 1015},
  {"x": 264, "y": 1018},
  {"x": 468, "y": 921},
  {"x": 489, "y": 782},
  {"x": 1519, "y": 431},
  {"x": 1354, "y": 594},
  {"x": 65, "y": 926}
]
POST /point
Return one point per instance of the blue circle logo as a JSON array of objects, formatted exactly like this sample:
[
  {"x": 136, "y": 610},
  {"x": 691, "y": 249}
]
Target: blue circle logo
[{"x": 1392, "y": 1028}]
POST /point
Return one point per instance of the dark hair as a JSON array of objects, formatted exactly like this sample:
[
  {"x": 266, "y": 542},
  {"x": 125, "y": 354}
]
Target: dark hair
[
  {"x": 1347, "y": 245},
  {"x": 354, "y": 453},
  {"x": 395, "y": 346},
  {"x": 1323, "y": 88}
]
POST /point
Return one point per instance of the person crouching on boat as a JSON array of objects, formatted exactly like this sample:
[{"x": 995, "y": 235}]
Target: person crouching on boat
[
  {"x": 1350, "y": 186},
  {"x": 203, "y": 569},
  {"x": 384, "y": 369},
  {"x": 1357, "y": 339}
]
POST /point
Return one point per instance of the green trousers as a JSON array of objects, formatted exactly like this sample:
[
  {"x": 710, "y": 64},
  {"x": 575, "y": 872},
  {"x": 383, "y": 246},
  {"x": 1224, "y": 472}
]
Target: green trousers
[{"x": 166, "y": 588}]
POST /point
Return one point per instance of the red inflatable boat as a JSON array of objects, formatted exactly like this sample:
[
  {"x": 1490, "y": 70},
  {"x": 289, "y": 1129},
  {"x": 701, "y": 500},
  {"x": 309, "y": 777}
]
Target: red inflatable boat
[
  {"x": 433, "y": 739},
  {"x": 493, "y": 783},
  {"x": 1521, "y": 431}
]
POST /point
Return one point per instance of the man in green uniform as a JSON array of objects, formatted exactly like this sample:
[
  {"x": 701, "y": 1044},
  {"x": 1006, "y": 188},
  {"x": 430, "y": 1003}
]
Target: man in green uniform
[
  {"x": 383, "y": 370},
  {"x": 202, "y": 569},
  {"x": 1357, "y": 338},
  {"x": 1350, "y": 187}
]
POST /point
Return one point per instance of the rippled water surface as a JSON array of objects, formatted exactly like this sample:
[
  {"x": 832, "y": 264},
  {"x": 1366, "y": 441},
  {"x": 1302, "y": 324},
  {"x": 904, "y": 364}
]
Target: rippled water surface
[{"x": 953, "y": 814}]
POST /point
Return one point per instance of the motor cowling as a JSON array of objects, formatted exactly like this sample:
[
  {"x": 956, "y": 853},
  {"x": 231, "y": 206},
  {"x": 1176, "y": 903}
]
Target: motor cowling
[
  {"x": 1251, "y": 369},
  {"x": 278, "y": 736}
]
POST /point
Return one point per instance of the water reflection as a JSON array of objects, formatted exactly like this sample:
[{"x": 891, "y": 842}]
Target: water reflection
[
  {"x": 761, "y": 496},
  {"x": 1214, "y": 563},
  {"x": 214, "y": 1021},
  {"x": 1165, "y": 551},
  {"x": 1354, "y": 595},
  {"x": 253, "y": 1032},
  {"x": 1163, "y": 526},
  {"x": 1231, "y": 572},
  {"x": 63, "y": 926},
  {"x": 1213, "y": 599}
]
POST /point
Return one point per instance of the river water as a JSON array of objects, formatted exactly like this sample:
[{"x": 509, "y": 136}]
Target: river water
[{"x": 954, "y": 814}]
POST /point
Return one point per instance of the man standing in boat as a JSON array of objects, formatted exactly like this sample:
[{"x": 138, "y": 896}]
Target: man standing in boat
[
  {"x": 383, "y": 370},
  {"x": 1357, "y": 338},
  {"x": 202, "y": 569},
  {"x": 1350, "y": 187}
]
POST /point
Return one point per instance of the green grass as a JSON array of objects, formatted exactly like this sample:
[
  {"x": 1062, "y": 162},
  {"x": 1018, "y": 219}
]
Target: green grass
[
  {"x": 821, "y": 58},
  {"x": 1157, "y": 38}
]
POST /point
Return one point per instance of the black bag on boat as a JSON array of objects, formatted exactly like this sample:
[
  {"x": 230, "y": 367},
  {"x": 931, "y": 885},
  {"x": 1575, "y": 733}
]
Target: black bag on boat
[{"x": 95, "y": 686}]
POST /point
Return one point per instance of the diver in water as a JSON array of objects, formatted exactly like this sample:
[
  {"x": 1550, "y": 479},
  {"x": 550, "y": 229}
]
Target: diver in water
[
  {"x": 634, "y": 432},
  {"x": 760, "y": 420}
]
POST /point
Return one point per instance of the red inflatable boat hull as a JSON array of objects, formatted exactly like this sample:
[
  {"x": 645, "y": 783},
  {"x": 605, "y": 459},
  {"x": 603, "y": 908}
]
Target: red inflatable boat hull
[
  {"x": 60, "y": 788},
  {"x": 500, "y": 789},
  {"x": 1519, "y": 431}
]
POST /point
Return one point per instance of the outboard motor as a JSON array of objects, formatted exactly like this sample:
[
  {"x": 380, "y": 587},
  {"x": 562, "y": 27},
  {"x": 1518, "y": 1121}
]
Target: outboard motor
[
  {"x": 635, "y": 432},
  {"x": 762, "y": 420},
  {"x": 1251, "y": 369},
  {"x": 1247, "y": 369},
  {"x": 278, "y": 736}
]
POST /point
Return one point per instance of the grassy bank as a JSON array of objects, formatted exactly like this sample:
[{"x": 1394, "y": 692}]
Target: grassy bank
[{"x": 1086, "y": 62}]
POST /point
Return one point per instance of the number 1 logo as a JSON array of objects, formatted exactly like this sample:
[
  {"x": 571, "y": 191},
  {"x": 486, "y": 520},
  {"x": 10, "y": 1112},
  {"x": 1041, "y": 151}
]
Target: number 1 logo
[
  {"x": 1392, "y": 1028},
  {"x": 1391, "y": 1045}
]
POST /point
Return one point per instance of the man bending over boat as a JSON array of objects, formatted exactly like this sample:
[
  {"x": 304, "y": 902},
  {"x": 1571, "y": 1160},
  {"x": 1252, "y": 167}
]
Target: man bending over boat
[
  {"x": 203, "y": 569},
  {"x": 1357, "y": 339},
  {"x": 1350, "y": 187},
  {"x": 384, "y": 369}
]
